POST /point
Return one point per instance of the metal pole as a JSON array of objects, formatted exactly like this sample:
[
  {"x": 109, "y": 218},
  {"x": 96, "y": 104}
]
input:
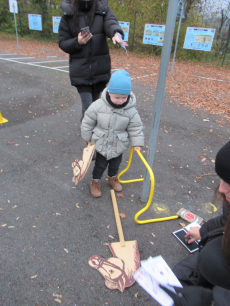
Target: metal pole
[
  {"x": 134, "y": 28},
  {"x": 178, "y": 32},
  {"x": 19, "y": 9},
  {"x": 15, "y": 24},
  {"x": 165, "y": 56},
  {"x": 226, "y": 47},
  {"x": 42, "y": 24}
]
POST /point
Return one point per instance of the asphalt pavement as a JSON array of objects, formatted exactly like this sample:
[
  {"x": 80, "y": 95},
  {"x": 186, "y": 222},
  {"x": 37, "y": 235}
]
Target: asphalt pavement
[{"x": 49, "y": 227}]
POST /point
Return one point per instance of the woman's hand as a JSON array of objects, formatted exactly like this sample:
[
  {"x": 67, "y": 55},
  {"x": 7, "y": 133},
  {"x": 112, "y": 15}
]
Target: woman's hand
[
  {"x": 190, "y": 296},
  {"x": 83, "y": 39},
  {"x": 137, "y": 148},
  {"x": 194, "y": 233},
  {"x": 116, "y": 39}
]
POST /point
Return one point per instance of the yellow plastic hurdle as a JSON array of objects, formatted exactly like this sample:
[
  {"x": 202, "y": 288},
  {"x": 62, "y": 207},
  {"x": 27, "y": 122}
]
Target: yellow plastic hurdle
[{"x": 152, "y": 179}]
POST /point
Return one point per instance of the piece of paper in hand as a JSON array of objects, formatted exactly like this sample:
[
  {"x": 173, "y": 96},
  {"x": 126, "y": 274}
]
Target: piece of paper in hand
[
  {"x": 155, "y": 271},
  {"x": 122, "y": 42}
]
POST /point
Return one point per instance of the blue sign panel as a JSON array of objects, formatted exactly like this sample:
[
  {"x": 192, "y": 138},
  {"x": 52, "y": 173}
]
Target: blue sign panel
[
  {"x": 154, "y": 34},
  {"x": 35, "y": 22},
  {"x": 199, "y": 39},
  {"x": 56, "y": 21},
  {"x": 125, "y": 28}
]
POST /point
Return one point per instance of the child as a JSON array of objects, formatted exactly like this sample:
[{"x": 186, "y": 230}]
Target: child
[{"x": 110, "y": 123}]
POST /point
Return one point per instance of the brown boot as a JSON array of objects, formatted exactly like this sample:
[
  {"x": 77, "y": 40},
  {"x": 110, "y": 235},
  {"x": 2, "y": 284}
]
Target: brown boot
[
  {"x": 95, "y": 189},
  {"x": 113, "y": 182}
]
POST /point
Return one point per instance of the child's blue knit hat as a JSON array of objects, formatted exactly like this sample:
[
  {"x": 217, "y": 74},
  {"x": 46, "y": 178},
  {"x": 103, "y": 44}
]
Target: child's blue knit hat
[{"x": 120, "y": 83}]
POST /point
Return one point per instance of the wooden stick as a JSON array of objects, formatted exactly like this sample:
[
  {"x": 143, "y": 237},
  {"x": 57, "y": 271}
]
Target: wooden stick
[{"x": 117, "y": 218}]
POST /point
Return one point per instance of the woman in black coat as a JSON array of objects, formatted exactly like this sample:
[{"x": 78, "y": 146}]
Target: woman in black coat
[
  {"x": 206, "y": 275},
  {"x": 89, "y": 59}
]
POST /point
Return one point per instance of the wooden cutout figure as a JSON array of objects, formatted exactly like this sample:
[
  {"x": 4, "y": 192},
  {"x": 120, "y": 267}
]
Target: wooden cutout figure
[
  {"x": 80, "y": 167},
  {"x": 118, "y": 270},
  {"x": 113, "y": 270}
]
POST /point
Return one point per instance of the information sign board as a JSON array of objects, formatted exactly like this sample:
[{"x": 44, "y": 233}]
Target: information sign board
[
  {"x": 199, "y": 38},
  {"x": 154, "y": 34},
  {"x": 125, "y": 28},
  {"x": 13, "y": 5},
  {"x": 56, "y": 21},
  {"x": 35, "y": 22}
]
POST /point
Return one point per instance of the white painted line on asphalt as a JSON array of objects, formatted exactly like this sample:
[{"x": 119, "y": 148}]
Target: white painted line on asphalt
[
  {"x": 13, "y": 58},
  {"x": 6, "y": 54},
  {"x": 49, "y": 61},
  {"x": 46, "y": 67},
  {"x": 9, "y": 60},
  {"x": 61, "y": 67}
]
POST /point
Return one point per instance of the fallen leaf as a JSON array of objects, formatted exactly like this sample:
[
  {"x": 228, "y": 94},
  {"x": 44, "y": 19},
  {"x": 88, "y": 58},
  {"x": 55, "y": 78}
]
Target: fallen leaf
[
  {"x": 136, "y": 295},
  {"x": 9, "y": 143},
  {"x": 182, "y": 224},
  {"x": 122, "y": 215},
  {"x": 120, "y": 195},
  {"x": 57, "y": 295},
  {"x": 108, "y": 226},
  {"x": 1, "y": 170},
  {"x": 58, "y": 300}
]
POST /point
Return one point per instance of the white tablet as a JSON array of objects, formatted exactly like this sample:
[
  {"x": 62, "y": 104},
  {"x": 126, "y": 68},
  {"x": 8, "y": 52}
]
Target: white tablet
[{"x": 192, "y": 247}]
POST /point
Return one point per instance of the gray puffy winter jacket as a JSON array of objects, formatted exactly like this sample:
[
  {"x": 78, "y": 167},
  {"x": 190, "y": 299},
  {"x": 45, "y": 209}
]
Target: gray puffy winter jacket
[{"x": 112, "y": 128}]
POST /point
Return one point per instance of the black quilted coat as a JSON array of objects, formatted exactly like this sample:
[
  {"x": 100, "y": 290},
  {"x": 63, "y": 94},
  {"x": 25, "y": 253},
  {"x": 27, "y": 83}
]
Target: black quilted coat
[{"x": 88, "y": 64}]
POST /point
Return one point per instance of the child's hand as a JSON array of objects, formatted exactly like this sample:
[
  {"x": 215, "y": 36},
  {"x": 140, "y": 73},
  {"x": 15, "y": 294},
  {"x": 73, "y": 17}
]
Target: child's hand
[{"x": 137, "y": 148}]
